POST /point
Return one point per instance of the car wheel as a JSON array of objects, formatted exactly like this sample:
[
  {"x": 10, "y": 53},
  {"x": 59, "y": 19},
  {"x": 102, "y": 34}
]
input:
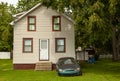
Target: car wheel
[{"x": 59, "y": 74}]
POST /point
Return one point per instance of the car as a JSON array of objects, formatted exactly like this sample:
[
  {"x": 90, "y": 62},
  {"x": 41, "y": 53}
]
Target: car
[{"x": 68, "y": 66}]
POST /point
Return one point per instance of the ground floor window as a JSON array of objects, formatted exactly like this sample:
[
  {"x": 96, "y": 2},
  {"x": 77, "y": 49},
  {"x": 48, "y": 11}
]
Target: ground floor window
[
  {"x": 60, "y": 45},
  {"x": 27, "y": 45}
]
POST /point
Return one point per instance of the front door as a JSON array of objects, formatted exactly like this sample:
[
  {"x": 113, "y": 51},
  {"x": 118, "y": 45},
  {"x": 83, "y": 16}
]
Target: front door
[{"x": 44, "y": 49}]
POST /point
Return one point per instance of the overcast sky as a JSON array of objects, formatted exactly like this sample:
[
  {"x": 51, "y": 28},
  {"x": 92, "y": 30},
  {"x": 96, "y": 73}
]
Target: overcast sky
[{"x": 14, "y": 2}]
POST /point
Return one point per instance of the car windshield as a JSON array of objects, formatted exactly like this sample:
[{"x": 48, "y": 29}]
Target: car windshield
[{"x": 66, "y": 61}]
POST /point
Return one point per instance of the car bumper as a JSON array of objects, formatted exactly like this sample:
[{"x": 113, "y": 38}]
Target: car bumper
[{"x": 70, "y": 73}]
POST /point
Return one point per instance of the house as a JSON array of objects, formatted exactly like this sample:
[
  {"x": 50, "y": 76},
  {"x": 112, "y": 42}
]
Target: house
[{"x": 42, "y": 34}]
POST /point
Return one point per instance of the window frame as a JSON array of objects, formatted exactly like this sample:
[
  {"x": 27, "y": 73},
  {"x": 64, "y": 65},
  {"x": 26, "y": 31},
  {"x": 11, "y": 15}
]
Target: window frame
[
  {"x": 56, "y": 23},
  {"x": 31, "y": 39},
  {"x": 56, "y": 39},
  {"x": 31, "y": 23}
]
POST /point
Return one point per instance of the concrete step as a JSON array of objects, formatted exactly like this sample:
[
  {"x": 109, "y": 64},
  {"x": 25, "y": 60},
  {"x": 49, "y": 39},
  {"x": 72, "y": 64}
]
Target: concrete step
[{"x": 43, "y": 66}]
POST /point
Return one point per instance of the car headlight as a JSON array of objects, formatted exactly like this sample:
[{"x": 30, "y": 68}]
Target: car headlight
[
  {"x": 60, "y": 70},
  {"x": 78, "y": 69}
]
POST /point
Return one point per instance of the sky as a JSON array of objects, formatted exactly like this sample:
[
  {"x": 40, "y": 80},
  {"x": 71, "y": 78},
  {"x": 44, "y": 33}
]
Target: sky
[{"x": 14, "y": 2}]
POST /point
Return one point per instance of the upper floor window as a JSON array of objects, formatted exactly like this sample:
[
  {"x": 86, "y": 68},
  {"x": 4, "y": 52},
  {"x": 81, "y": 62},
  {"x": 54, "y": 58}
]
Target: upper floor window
[
  {"x": 27, "y": 45},
  {"x": 56, "y": 23},
  {"x": 31, "y": 23}
]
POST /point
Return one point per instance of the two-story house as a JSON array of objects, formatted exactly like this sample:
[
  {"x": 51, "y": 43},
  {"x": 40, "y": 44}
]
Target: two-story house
[{"x": 42, "y": 34}]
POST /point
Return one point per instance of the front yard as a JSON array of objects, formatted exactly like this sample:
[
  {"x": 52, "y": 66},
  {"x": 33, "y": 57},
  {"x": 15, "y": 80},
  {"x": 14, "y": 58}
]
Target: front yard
[{"x": 103, "y": 70}]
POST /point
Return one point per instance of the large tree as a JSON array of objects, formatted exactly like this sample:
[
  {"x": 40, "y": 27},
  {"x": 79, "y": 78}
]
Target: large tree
[
  {"x": 6, "y": 34},
  {"x": 114, "y": 10}
]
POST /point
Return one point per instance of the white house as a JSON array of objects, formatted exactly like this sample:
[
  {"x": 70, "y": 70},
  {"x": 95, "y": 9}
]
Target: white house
[{"x": 42, "y": 35}]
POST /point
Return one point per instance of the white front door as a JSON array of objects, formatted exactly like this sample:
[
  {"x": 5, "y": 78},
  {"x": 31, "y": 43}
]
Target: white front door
[{"x": 44, "y": 49}]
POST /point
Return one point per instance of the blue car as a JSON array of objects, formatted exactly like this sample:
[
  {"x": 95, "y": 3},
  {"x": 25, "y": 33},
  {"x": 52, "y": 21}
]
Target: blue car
[{"x": 68, "y": 66}]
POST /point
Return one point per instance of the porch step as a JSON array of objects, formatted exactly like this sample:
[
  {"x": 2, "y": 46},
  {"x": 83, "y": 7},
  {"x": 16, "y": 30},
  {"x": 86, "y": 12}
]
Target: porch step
[{"x": 43, "y": 66}]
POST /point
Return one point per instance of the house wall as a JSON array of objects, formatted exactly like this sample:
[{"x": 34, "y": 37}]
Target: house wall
[{"x": 43, "y": 31}]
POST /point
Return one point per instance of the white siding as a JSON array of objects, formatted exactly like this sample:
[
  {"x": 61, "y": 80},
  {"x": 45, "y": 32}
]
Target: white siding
[{"x": 43, "y": 30}]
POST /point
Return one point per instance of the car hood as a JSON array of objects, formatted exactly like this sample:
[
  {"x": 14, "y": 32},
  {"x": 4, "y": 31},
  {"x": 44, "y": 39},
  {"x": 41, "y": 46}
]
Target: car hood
[{"x": 68, "y": 66}]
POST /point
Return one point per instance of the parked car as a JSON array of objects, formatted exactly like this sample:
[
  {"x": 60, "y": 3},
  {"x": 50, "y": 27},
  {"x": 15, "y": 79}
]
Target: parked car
[{"x": 68, "y": 66}]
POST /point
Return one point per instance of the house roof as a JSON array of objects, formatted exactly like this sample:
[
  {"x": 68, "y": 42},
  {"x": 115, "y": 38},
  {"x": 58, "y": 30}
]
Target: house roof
[
  {"x": 19, "y": 14},
  {"x": 22, "y": 14}
]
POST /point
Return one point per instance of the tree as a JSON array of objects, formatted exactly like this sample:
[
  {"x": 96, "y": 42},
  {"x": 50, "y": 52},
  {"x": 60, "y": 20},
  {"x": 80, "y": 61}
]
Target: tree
[
  {"x": 115, "y": 24},
  {"x": 12, "y": 10},
  {"x": 6, "y": 33},
  {"x": 24, "y": 5}
]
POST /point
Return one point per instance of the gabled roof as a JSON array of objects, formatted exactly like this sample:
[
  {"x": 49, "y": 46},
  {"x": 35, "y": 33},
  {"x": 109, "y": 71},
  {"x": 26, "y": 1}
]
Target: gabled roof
[
  {"x": 22, "y": 14},
  {"x": 19, "y": 14}
]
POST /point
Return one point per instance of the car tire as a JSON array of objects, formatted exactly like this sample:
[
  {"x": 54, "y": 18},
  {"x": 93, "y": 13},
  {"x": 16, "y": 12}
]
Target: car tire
[{"x": 59, "y": 74}]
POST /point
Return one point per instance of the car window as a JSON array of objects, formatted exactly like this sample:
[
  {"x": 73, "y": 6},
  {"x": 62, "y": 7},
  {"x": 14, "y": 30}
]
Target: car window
[{"x": 67, "y": 61}]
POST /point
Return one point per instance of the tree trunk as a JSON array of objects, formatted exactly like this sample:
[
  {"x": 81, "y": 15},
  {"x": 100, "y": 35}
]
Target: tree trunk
[
  {"x": 118, "y": 47},
  {"x": 117, "y": 52},
  {"x": 114, "y": 45}
]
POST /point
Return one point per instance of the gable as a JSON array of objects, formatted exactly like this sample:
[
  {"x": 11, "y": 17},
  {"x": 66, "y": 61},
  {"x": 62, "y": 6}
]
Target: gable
[{"x": 41, "y": 9}]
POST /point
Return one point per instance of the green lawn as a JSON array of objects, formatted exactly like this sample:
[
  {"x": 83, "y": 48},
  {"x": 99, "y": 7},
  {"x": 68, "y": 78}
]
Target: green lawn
[{"x": 103, "y": 70}]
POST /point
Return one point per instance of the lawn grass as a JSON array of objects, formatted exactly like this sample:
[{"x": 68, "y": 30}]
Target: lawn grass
[{"x": 103, "y": 70}]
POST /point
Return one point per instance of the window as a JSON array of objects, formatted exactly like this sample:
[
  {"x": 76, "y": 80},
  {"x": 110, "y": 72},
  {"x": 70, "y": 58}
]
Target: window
[
  {"x": 44, "y": 44},
  {"x": 31, "y": 23},
  {"x": 56, "y": 23},
  {"x": 27, "y": 45},
  {"x": 60, "y": 45}
]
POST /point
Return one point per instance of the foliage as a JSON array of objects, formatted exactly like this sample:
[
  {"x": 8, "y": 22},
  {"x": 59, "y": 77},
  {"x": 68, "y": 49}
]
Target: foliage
[
  {"x": 24, "y": 5},
  {"x": 115, "y": 23},
  {"x": 6, "y": 34}
]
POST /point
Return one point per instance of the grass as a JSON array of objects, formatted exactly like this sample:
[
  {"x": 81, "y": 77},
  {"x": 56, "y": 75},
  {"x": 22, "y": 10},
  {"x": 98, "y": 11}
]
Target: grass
[{"x": 103, "y": 70}]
